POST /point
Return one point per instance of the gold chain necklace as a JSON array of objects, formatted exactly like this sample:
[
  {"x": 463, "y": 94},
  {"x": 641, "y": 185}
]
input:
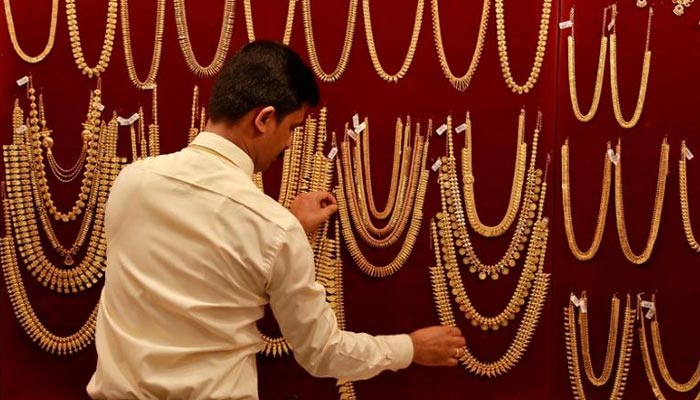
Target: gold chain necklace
[
  {"x": 194, "y": 131},
  {"x": 624, "y": 355},
  {"x": 515, "y": 190},
  {"x": 287, "y": 27},
  {"x": 107, "y": 45},
  {"x": 685, "y": 205},
  {"x": 600, "y": 75},
  {"x": 460, "y": 83},
  {"x": 602, "y": 209},
  {"x": 646, "y": 66},
  {"x": 539, "y": 53},
  {"x": 311, "y": 46},
  {"x": 612, "y": 342},
  {"x": 64, "y": 175},
  {"x": 154, "y": 128},
  {"x": 13, "y": 34},
  {"x": 411, "y": 47},
  {"x": 183, "y": 36},
  {"x": 658, "y": 206},
  {"x": 157, "y": 45}
]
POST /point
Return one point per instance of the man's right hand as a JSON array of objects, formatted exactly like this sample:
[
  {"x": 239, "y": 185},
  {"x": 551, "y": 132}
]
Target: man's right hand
[{"x": 437, "y": 346}]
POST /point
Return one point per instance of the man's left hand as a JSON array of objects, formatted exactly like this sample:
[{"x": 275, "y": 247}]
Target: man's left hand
[{"x": 313, "y": 209}]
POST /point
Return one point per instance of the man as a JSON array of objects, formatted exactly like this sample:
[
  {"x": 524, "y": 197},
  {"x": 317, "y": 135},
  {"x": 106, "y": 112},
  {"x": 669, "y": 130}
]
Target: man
[{"x": 196, "y": 251}]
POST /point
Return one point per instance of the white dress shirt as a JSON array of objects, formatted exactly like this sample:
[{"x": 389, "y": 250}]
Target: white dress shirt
[{"x": 195, "y": 252}]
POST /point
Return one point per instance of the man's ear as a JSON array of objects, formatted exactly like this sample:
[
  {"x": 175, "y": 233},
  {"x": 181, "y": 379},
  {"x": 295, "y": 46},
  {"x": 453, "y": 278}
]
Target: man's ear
[{"x": 264, "y": 118}]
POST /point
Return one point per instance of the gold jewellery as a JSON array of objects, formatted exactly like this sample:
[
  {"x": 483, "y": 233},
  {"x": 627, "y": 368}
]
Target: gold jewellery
[
  {"x": 613, "y": 74},
  {"x": 460, "y": 83},
  {"x": 600, "y": 75},
  {"x": 183, "y": 36},
  {"x": 680, "y": 6},
  {"x": 411, "y": 47},
  {"x": 13, "y": 34},
  {"x": 516, "y": 187},
  {"x": 311, "y": 46},
  {"x": 150, "y": 80},
  {"x": 584, "y": 255},
  {"x": 247, "y": 9},
  {"x": 107, "y": 45},
  {"x": 539, "y": 53},
  {"x": 602, "y": 379},
  {"x": 685, "y": 206},
  {"x": 658, "y": 206},
  {"x": 199, "y": 115}
]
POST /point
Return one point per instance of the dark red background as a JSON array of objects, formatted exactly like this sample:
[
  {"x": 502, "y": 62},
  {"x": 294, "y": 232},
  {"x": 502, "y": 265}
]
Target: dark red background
[{"x": 403, "y": 302}]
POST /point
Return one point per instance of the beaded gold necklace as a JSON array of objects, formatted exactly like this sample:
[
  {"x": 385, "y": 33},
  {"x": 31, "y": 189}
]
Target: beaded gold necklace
[
  {"x": 107, "y": 45},
  {"x": 287, "y": 27},
  {"x": 685, "y": 205},
  {"x": 150, "y": 80}
]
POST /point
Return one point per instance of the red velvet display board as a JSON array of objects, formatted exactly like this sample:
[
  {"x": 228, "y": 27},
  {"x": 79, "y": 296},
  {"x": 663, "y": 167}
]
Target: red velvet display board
[{"x": 404, "y": 301}]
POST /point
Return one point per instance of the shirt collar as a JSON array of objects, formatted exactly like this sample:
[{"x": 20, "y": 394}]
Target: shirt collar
[{"x": 226, "y": 149}]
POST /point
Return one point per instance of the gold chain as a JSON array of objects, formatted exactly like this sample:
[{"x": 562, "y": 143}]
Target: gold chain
[
  {"x": 646, "y": 66},
  {"x": 13, "y": 34},
  {"x": 602, "y": 209},
  {"x": 193, "y": 132},
  {"x": 685, "y": 205},
  {"x": 311, "y": 46},
  {"x": 64, "y": 175},
  {"x": 411, "y": 47},
  {"x": 612, "y": 342},
  {"x": 183, "y": 36},
  {"x": 515, "y": 190},
  {"x": 539, "y": 53},
  {"x": 658, "y": 206},
  {"x": 107, "y": 45},
  {"x": 600, "y": 75},
  {"x": 460, "y": 83},
  {"x": 287, "y": 27},
  {"x": 157, "y": 46},
  {"x": 154, "y": 128}
]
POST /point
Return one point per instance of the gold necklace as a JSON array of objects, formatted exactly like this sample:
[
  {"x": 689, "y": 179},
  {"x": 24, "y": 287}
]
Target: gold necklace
[
  {"x": 612, "y": 342},
  {"x": 515, "y": 190},
  {"x": 13, "y": 34},
  {"x": 411, "y": 47},
  {"x": 460, "y": 83},
  {"x": 539, "y": 53},
  {"x": 311, "y": 46},
  {"x": 186, "y": 44},
  {"x": 287, "y": 27},
  {"x": 600, "y": 75},
  {"x": 154, "y": 128},
  {"x": 624, "y": 355},
  {"x": 685, "y": 205},
  {"x": 107, "y": 45},
  {"x": 157, "y": 47},
  {"x": 193, "y": 132},
  {"x": 646, "y": 66},
  {"x": 658, "y": 206},
  {"x": 602, "y": 209}
]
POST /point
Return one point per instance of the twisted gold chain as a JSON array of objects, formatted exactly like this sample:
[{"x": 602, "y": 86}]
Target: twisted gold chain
[
  {"x": 247, "y": 9},
  {"x": 107, "y": 45},
  {"x": 685, "y": 204},
  {"x": 13, "y": 34},
  {"x": 150, "y": 80}
]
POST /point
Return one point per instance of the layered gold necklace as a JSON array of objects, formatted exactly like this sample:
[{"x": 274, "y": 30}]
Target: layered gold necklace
[
  {"x": 516, "y": 187},
  {"x": 222, "y": 47},
  {"x": 287, "y": 27},
  {"x": 685, "y": 205},
  {"x": 646, "y": 66},
  {"x": 13, "y": 34},
  {"x": 600, "y": 75},
  {"x": 584, "y": 255},
  {"x": 150, "y": 80},
  {"x": 411, "y": 47},
  {"x": 658, "y": 206},
  {"x": 107, "y": 45},
  {"x": 311, "y": 46},
  {"x": 539, "y": 53},
  {"x": 460, "y": 83}
]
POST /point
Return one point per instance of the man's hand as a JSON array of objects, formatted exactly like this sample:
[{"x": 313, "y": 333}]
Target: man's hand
[
  {"x": 437, "y": 346},
  {"x": 313, "y": 209}
]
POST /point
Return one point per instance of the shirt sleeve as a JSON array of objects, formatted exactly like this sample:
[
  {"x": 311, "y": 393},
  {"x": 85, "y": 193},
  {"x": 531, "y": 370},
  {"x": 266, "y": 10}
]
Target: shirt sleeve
[{"x": 309, "y": 325}]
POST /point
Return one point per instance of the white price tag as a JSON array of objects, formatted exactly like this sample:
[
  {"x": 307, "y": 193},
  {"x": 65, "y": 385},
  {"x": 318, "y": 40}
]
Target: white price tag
[
  {"x": 21, "y": 129},
  {"x": 333, "y": 153},
  {"x": 101, "y": 107},
  {"x": 360, "y": 128},
  {"x": 611, "y": 25},
  {"x": 565, "y": 24},
  {"x": 584, "y": 307},
  {"x": 647, "y": 304},
  {"x": 22, "y": 81},
  {"x": 614, "y": 158},
  {"x": 461, "y": 128},
  {"x": 134, "y": 117},
  {"x": 650, "y": 314},
  {"x": 575, "y": 300},
  {"x": 688, "y": 154},
  {"x": 123, "y": 121},
  {"x": 441, "y": 129},
  {"x": 437, "y": 164},
  {"x": 352, "y": 134},
  {"x": 355, "y": 120}
]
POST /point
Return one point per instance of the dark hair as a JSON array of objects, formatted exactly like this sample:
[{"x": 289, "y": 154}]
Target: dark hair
[{"x": 262, "y": 73}]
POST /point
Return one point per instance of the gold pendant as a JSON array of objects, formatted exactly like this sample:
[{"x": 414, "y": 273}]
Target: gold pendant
[
  {"x": 68, "y": 260},
  {"x": 679, "y": 9},
  {"x": 641, "y": 3}
]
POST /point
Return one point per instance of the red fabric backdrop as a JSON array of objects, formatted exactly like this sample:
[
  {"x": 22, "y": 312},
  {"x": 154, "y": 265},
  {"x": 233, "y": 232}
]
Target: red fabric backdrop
[{"x": 403, "y": 302}]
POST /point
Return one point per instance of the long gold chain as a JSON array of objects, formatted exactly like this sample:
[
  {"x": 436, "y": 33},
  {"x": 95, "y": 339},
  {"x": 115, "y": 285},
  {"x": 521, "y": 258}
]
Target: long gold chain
[
  {"x": 287, "y": 27},
  {"x": 193, "y": 131},
  {"x": 150, "y": 80},
  {"x": 311, "y": 46},
  {"x": 62, "y": 174},
  {"x": 411, "y": 47},
  {"x": 460, "y": 83},
  {"x": 107, "y": 45},
  {"x": 539, "y": 53},
  {"x": 646, "y": 66},
  {"x": 612, "y": 342},
  {"x": 13, "y": 34},
  {"x": 222, "y": 47},
  {"x": 515, "y": 190},
  {"x": 658, "y": 206},
  {"x": 600, "y": 75},
  {"x": 153, "y": 127},
  {"x": 602, "y": 209},
  {"x": 685, "y": 204}
]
